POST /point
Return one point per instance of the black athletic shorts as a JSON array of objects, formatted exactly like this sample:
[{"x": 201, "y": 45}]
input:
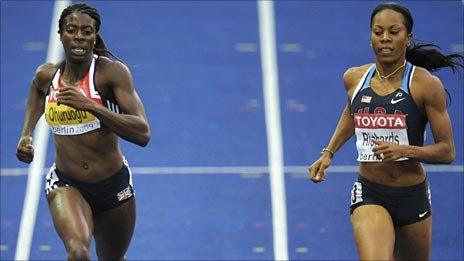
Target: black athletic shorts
[
  {"x": 406, "y": 205},
  {"x": 102, "y": 195}
]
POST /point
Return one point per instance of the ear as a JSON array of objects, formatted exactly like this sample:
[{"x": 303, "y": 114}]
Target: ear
[
  {"x": 96, "y": 37},
  {"x": 409, "y": 40}
]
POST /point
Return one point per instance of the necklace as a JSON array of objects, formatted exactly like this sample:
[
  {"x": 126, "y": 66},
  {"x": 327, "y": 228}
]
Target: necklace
[{"x": 391, "y": 74}]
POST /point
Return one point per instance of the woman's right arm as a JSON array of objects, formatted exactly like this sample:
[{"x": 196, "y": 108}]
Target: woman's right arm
[
  {"x": 34, "y": 109},
  {"x": 343, "y": 131}
]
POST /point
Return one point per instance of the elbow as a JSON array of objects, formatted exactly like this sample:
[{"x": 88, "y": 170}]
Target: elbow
[
  {"x": 449, "y": 155},
  {"x": 144, "y": 139}
]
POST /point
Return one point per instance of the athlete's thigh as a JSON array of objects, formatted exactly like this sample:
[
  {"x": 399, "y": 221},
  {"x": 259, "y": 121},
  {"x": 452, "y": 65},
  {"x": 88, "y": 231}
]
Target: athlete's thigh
[
  {"x": 72, "y": 215},
  {"x": 114, "y": 229},
  {"x": 373, "y": 231},
  {"x": 413, "y": 242}
]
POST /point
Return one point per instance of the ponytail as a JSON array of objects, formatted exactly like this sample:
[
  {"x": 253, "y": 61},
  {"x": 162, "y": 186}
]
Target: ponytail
[
  {"x": 100, "y": 49},
  {"x": 429, "y": 57}
]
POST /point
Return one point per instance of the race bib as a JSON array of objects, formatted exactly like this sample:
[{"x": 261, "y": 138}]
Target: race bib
[
  {"x": 383, "y": 127},
  {"x": 65, "y": 120}
]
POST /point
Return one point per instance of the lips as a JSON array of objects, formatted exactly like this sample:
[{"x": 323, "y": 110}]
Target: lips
[
  {"x": 385, "y": 50},
  {"x": 78, "y": 51}
]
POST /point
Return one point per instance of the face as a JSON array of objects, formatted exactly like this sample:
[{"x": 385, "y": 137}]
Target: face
[
  {"x": 389, "y": 36},
  {"x": 78, "y": 36}
]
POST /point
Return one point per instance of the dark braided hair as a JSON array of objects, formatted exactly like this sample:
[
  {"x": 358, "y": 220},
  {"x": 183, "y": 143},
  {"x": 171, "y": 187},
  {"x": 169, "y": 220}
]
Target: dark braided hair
[
  {"x": 100, "y": 46},
  {"x": 425, "y": 55}
]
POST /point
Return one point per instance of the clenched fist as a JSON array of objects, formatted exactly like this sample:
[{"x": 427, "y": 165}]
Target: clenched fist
[{"x": 25, "y": 149}]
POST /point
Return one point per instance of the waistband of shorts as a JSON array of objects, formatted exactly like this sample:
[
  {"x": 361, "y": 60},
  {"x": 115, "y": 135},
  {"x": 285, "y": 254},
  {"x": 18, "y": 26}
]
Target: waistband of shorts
[
  {"x": 419, "y": 186},
  {"x": 62, "y": 175}
]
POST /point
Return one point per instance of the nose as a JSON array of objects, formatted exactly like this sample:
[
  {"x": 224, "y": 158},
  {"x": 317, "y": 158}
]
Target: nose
[
  {"x": 79, "y": 35},
  {"x": 385, "y": 37}
]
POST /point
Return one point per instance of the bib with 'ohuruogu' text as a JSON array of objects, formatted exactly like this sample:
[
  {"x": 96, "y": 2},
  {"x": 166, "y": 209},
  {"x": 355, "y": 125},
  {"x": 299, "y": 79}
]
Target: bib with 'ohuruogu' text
[{"x": 65, "y": 120}]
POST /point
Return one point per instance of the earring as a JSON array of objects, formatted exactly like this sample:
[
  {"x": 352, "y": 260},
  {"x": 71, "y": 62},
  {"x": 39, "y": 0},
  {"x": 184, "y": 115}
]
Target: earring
[{"x": 370, "y": 43}]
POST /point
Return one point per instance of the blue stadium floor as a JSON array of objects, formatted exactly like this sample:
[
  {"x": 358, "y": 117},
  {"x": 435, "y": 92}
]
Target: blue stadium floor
[{"x": 197, "y": 68}]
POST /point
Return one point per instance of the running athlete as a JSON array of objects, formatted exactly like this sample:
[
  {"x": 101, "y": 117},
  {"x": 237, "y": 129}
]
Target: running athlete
[
  {"x": 390, "y": 103},
  {"x": 88, "y": 100}
]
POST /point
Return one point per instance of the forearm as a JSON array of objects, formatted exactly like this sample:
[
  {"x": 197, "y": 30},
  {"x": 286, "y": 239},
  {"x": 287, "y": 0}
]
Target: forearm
[
  {"x": 34, "y": 110},
  {"x": 343, "y": 131},
  {"x": 438, "y": 153},
  {"x": 132, "y": 128}
]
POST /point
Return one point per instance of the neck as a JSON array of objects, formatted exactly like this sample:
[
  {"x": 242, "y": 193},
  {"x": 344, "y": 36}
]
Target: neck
[
  {"x": 387, "y": 71},
  {"x": 73, "y": 72}
]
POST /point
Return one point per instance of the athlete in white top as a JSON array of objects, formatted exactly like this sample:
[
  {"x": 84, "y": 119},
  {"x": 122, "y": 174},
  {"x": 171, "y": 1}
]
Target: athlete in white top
[{"x": 89, "y": 190}]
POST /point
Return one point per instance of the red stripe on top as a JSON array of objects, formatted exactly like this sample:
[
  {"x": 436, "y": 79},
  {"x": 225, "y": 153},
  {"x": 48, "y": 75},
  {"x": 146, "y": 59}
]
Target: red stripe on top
[{"x": 83, "y": 86}]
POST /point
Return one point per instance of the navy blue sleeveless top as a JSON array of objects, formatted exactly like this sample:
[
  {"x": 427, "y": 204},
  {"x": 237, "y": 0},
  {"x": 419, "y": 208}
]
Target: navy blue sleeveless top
[{"x": 393, "y": 118}]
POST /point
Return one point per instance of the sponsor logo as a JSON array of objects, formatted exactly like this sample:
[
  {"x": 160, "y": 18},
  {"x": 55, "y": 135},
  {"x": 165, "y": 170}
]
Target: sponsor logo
[
  {"x": 376, "y": 121},
  {"x": 356, "y": 193},
  {"x": 423, "y": 214},
  {"x": 393, "y": 101},
  {"x": 125, "y": 194}
]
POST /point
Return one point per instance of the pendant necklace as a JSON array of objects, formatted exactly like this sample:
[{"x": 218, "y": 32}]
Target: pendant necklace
[{"x": 391, "y": 74}]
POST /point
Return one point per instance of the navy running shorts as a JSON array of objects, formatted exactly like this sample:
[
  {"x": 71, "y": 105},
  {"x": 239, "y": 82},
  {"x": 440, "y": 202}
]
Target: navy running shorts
[
  {"x": 102, "y": 195},
  {"x": 406, "y": 205}
]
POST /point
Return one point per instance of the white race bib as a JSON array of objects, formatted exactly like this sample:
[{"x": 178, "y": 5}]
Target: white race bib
[{"x": 382, "y": 127}]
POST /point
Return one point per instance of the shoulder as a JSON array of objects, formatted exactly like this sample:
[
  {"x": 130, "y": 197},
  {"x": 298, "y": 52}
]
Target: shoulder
[
  {"x": 425, "y": 78},
  {"x": 425, "y": 86},
  {"x": 111, "y": 67},
  {"x": 352, "y": 75},
  {"x": 45, "y": 72},
  {"x": 44, "y": 75},
  {"x": 111, "y": 74}
]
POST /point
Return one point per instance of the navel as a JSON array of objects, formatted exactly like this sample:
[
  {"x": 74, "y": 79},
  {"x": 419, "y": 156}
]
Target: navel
[{"x": 84, "y": 165}]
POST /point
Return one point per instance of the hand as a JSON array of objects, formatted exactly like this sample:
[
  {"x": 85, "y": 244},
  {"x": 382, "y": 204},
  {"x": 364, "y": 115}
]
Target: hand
[
  {"x": 25, "y": 149},
  {"x": 388, "y": 151},
  {"x": 317, "y": 169},
  {"x": 73, "y": 97}
]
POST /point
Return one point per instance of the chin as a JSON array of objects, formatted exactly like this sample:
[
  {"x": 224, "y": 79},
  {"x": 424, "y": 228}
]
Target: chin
[
  {"x": 78, "y": 59},
  {"x": 386, "y": 59}
]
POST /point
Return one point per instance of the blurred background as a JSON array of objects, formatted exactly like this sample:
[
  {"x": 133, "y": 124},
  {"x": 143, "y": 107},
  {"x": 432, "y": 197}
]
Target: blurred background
[{"x": 202, "y": 184}]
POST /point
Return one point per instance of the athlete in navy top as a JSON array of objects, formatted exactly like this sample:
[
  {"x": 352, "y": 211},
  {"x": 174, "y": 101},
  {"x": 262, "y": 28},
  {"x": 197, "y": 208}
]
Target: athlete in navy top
[
  {"x": 393, "y": 117},
  {"x": 389, "y": 104}
]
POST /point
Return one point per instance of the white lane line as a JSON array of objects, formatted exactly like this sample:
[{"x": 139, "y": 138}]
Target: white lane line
[
  {"x": 240, "y": 170},
  {"x": 41, "y": 133},
  {"x": 273, "y": 127}
]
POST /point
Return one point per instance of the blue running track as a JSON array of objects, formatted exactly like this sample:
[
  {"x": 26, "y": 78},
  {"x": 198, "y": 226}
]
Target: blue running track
[{"x": 197, "y": 68}]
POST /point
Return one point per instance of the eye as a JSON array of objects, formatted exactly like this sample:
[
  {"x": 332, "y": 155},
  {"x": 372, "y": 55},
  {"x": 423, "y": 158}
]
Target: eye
[
  {"x": 70, "y": 30},
  {"x": 394, "y": 32},
  {"x": 377, "y": 32}
]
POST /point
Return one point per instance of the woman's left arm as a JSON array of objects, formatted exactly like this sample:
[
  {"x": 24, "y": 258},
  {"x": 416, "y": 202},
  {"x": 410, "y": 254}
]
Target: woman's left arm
[
  {"x": 132, "y": 125},
  {"x": 430, "y": 95},
  {"x": 434, "y": 101}
]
